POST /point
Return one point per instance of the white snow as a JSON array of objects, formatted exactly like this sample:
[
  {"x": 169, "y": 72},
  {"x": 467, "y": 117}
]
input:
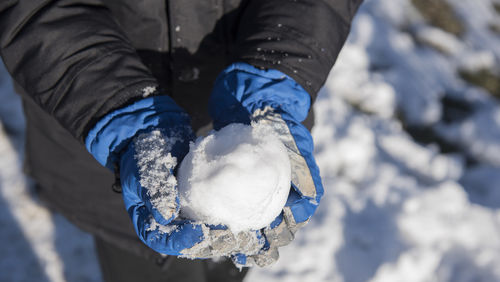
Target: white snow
[
  {"x": 238, "y": 176},
  {"x": 393, "y": 209},
  {"x": 162, "y": 229},
  {"x": 155, "y": 163},
  {"x": 147, "y": 91}
]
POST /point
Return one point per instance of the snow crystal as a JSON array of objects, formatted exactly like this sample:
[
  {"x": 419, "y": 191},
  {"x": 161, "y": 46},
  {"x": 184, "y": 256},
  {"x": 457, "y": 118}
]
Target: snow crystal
[
  {"x": 162, "y": 229},
  {"x": 155, "y": 163},
  {"x": 238, "y": 176},
  {"x": 148, "y": 91}
]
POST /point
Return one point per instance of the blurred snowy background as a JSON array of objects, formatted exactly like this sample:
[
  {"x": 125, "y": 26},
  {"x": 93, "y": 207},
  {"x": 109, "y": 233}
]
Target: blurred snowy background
[{"x": 408, "y": 141}]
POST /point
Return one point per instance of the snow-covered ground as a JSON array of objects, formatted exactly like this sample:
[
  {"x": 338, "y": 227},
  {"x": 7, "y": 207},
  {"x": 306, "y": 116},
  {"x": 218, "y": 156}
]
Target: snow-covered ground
[
  {"x": 408, "y": 150},
  {"x": 35, "y": 245}
]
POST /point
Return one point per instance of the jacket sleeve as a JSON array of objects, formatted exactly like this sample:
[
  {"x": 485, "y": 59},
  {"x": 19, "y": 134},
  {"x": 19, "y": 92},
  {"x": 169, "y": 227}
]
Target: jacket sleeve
[
  {"x": 71, "y": 58},
  {"x": 301, "y": 38}
]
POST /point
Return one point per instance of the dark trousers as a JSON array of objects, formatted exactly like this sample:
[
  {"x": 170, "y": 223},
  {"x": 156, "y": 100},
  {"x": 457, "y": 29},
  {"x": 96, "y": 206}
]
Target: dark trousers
[{"x": 122, "y": 266}]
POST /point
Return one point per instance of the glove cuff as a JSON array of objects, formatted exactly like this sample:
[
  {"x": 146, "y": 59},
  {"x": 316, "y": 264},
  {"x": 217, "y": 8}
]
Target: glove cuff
[
  {"x": 241, "y": 89},
  {"x": 113, "y": 132}
]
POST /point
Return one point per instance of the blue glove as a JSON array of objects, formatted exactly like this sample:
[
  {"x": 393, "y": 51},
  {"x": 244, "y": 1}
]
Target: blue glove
[
  {"x": 148, "y": 139},
  {"x": 242, "y": 94}
]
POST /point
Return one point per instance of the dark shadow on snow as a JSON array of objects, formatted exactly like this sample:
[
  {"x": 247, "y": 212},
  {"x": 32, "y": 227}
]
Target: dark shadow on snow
[
  {"x": 18, "y": 259},
  {"x": 371, "y": 239}
]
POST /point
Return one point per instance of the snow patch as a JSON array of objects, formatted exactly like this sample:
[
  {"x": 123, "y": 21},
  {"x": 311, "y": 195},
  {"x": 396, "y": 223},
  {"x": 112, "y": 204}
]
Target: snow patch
[
  {"x": 147, "y": 91},
  {"x": 156, "y": 164}
]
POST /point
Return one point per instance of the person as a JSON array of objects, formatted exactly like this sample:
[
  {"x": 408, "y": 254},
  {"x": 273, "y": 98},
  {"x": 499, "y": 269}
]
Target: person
[{"x": 100, "y": 78}]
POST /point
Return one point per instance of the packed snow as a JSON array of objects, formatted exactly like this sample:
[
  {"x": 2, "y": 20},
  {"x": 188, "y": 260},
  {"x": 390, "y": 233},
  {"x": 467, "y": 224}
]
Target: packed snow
[
  {"x": 156, "y": 164},
  {"x": 238, "y": 176},
  {"x": 408, "y": 152}
]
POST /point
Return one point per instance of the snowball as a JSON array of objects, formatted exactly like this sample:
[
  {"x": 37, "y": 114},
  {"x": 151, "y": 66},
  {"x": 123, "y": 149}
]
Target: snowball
[{"x": 238, "y": 176}]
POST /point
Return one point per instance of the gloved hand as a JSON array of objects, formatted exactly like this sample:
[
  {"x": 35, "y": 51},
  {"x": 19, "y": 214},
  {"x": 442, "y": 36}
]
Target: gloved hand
[
  {"x": 242, "y": 94},
  {"x": 147, "y": 140}
]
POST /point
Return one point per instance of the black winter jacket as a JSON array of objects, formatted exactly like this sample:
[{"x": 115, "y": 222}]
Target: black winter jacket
[{"x": 74, "y": 61}]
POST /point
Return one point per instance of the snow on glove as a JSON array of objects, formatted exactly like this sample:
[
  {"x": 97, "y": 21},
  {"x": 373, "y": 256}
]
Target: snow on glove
[
  {"x": 148, "y": 139},
  {"x": 242, "y": 94}
]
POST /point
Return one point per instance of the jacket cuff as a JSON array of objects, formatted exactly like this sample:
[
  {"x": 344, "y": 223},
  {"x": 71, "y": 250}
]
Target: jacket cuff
[
  {"x": 113, "y": 132},
  {"x": 242, "y": 88}
]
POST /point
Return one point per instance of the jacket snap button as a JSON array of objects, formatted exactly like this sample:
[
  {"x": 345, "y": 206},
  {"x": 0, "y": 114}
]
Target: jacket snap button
[{"x": 189, "y": 74}]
